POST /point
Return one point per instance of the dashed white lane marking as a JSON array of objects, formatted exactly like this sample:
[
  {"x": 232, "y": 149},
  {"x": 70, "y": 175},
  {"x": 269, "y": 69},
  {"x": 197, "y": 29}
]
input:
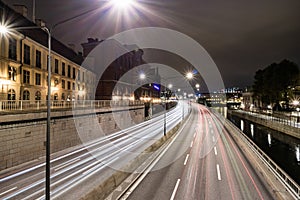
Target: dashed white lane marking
[
  {"x": 216, "y": 152},
  {"x": 213, "y": 138},
  {"x": 175, "y": 190},
  {"x": 7, "y": 191},
  {"x": 219, "y": 173},
  {"x": 186, "y": 159},
  {"x": 192, "y": 144}
]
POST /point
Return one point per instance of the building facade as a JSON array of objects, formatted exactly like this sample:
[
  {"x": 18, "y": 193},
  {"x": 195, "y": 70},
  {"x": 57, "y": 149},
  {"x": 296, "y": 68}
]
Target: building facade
[
  {"x": 113, "y": 83},
  {"x": 24, "y": 66}
]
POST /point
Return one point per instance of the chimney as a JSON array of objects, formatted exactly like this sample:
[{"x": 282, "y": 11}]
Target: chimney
[
  {"x": 21, "y": 9},
  {"x": 40, "y": 22}
]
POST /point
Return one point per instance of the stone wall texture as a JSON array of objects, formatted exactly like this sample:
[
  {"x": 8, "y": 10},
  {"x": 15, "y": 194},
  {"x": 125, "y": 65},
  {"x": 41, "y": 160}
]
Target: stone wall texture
[{"x": 23, "y": 136}]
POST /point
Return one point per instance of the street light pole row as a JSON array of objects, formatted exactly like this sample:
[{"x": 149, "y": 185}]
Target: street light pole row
[{"x": 189, "y": 76}]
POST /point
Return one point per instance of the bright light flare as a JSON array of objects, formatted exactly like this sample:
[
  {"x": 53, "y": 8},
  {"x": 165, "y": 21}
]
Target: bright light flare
[
  {"x": 3, "y": 29},
  {"x": 142, "y": 76},
  {"x": 189, "y": 75},
  {"x": 122, "y": 4},
  {"x": 296, "y": 102}
]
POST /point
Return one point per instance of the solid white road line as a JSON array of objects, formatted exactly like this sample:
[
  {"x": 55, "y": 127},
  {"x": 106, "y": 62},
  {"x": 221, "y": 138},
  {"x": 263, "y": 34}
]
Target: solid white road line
[
  {"x": 7, "y": 191},
  {"x": 175, "y": 190},
  {"x": 219, "y": 173},
  {"x": 215, "y": 148},
  {"x": 186, "y": 159}
]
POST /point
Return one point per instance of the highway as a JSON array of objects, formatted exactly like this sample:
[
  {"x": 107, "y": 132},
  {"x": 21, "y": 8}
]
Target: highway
[
  {"x": 211, "y": 167},
  {"x": 87, "y": 165}
]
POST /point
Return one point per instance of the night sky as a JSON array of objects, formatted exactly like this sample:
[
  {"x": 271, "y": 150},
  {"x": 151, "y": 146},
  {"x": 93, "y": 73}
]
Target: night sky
[{"x": 240, "y": 36}]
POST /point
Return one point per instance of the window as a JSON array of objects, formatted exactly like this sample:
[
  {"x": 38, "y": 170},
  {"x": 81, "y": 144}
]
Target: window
[
  {"x": 74, "y": 73},
  {"x": 38, "y": 96},
  {"x": 12, "y": 73},
  {"x": 69, "y": 71},
  {"x": 78, "y": 76},
  {"x": 63, "y": 84},
  {"x": 37, "y": 79},
  {"x": 63, "y": 97},
  {"x": 12, "y": 49},
  {"x": 63, "y": 69},
  {"x": 11, "y": 95},
  {"x": 69, "y": 85},
  {"x": 78, "y": 86},
  {"x": 82, "y": 76},
  {"x": 73, "y": 86},
  {"x": 38, "y": 58},
  {"x": 26, "y": 54},
  {"x": 56, "y": 66},
  {"x": 26, "y": 76},
  {"x": 55, "y": 97},
  {"x": 26, "y": 95}
]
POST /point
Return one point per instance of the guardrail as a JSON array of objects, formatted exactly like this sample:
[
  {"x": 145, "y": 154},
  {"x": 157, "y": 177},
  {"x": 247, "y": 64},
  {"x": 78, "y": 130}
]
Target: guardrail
[
  {"x": 293, "y": 119},
  {"x": 23, "y": 105},
  {"x": 282, "y": 176}
]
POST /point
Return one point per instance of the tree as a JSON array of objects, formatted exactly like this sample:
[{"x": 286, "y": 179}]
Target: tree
[{"x": 272, "y": 83}]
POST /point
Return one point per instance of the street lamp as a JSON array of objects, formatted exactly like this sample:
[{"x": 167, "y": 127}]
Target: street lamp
[
  {"x": 3, "y": 29},
  {"x": 121, "y": 4},
  {"x": 188, "y": 76}
]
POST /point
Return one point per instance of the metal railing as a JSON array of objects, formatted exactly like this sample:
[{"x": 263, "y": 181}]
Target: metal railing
[
  {"x": 282, "y": 176},
  {"x": 23, "y": 105},
  {"x": 289, "y": 120}
]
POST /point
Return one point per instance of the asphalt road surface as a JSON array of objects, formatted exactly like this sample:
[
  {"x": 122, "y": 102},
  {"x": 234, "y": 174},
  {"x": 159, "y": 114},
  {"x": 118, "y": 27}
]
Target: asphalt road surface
[{"x": 208, "y": 165}]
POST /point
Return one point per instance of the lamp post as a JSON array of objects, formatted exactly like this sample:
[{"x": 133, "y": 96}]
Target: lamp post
[
  {"x": 5, "y": 30},
  {"x": 121, "y": 4},
  {"x": 188, "y": 76}
]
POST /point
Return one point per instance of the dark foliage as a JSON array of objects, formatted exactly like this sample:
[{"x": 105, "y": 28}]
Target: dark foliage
[{"x": 272, "y": 83}]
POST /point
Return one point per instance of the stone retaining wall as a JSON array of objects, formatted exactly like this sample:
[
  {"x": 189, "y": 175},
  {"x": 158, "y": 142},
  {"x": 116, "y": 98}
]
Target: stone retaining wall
[{"x": 22, "y": 136}]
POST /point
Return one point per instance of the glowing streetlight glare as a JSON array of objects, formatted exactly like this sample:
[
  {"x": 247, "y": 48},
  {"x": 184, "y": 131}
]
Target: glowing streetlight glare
[
  {"x": 170, "y": 86},
  {"x": 197, "y": 86},
  {"x": 142, "y": 76},
  {"x": 3, "y": 29},
  {"x": 122, "y": 4},
  {"x": 189, "y": 75},
  {"x": 296, "y": 102}
]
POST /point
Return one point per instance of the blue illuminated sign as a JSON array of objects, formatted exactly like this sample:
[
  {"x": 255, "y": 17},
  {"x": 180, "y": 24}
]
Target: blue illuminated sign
[{"x": 157, "y": 87}]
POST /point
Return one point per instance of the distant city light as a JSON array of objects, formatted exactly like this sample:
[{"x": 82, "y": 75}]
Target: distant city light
[
  {"x": 170, "y": 86},
  {"x": 197, "y": 85}
]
